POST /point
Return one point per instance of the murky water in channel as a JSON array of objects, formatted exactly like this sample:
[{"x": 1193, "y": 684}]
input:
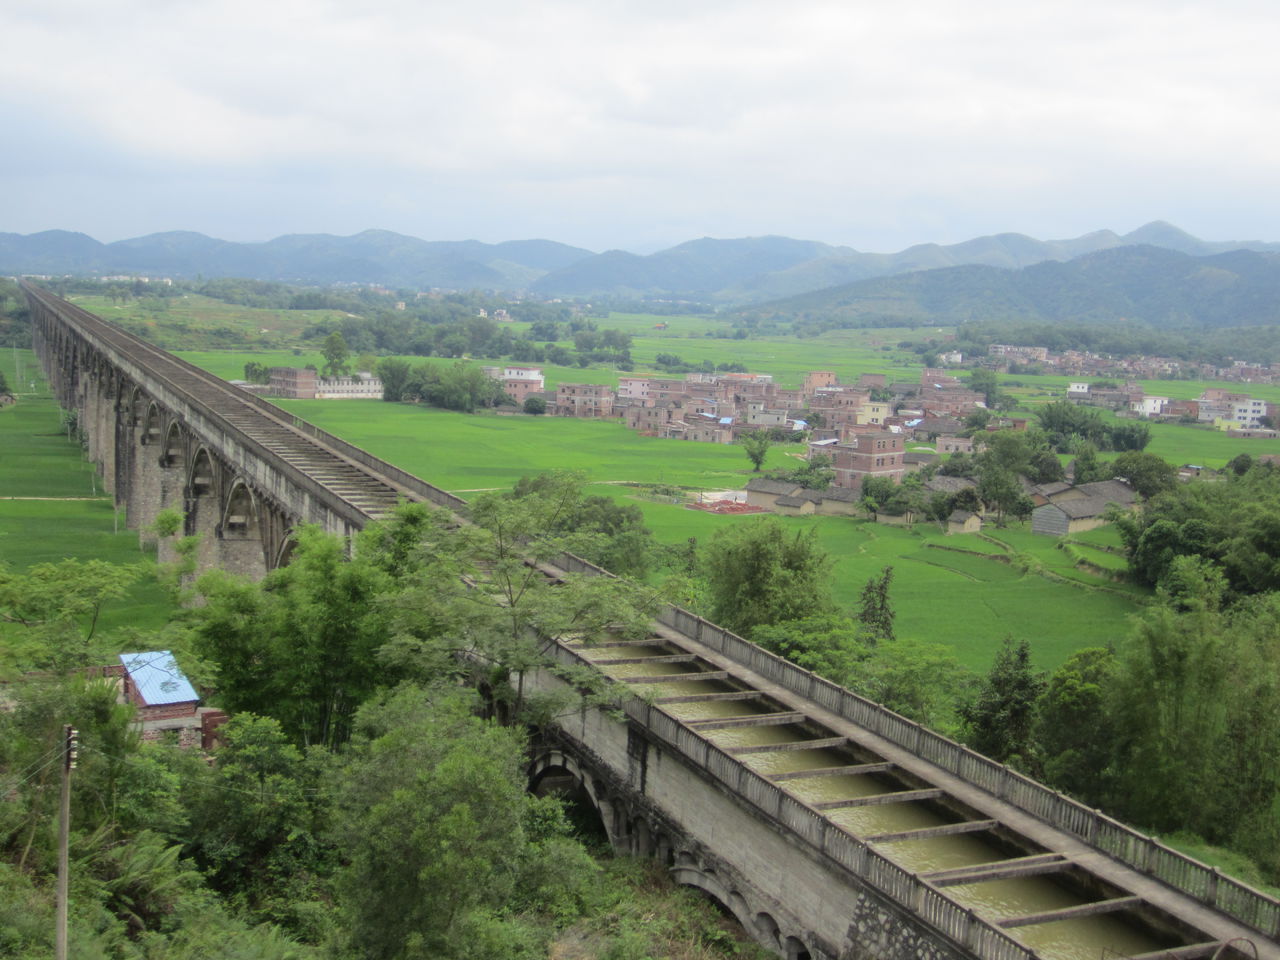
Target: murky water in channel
[
  {"x": 624, "y": 653},
  {"x": 839, "y": 787},
  {"x": 941, "y": 853},
  {"x": 1085, "y": 938},
  {"x": 756, "y": 736},
  {"x": 885, "y": 818},
  {"x": 789, "y": 761},
  {"x": 621, "y": 670},
  {"x": 715, "y": 709},
  {"x": 683, "y": 688}
]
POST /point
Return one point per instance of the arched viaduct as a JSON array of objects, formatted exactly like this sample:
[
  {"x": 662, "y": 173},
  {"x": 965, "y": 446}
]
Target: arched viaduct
[
  {"x": 788, "y": 864},
  {"x": 167, "y": 435}
]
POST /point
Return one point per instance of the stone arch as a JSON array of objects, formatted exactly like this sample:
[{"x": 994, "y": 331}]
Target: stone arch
[
  {"x": 241, "y": 546},
  {"x": 554, "y": 765},
  {"x": 288, "y": 544},
  {"x": 641, "y": 837},
  {"x": 152, "y": 427},
  {"x": 767, "y": 931},
  {"x": 137, "y": 406},
  {"x": 240, "y": 517},
  {"x": 173, "y": 451},
  {"x": 664, "y": 850},
  {"x": 203, "y": 506},
  {"x": 793, "y": 948},
  {"x": 732, "y": 902},
  {"x": 202, "y": 480}
]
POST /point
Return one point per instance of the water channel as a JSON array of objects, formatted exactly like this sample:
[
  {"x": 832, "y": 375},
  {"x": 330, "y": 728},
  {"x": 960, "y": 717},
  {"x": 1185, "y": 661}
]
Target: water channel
[{"x": 1084, "y": 938}]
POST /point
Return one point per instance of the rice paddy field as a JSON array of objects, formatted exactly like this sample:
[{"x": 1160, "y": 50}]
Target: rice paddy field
[
  {"x": 963, "y": 591},
  {"x": 52, "y": 506}
]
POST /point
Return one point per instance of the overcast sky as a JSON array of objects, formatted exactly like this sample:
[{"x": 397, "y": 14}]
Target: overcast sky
[{"x": 637, "y": 125}]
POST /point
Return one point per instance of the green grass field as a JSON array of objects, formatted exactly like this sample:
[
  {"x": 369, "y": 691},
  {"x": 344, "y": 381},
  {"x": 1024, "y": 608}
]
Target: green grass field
[
  {"x": 48, "y": 509},
  {"x": 967, "y": 602},
  {"x": 459, "y": 451},
  {"x": 941, "y": 595},
  {"x": 172, "y": 321}
]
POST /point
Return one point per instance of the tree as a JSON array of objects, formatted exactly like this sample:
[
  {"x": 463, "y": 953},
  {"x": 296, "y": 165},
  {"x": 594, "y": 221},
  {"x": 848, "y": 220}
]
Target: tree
[
  {"x": 1045, "y": 467},
  {"x": 977, "y": 420},
  {"x": 875, "y": 613},
  {"x": 877, "y": 492},
  {"x": 1234, "y": 525},
  {"x": 60, "y": 605},
  {"x": 1086, "y": 468},
  {"x": 299, "y": 646},
  {"x": 335, "y": 352},
  {"x": 986, "y": 383},
  {"x": 1196, "y": 698},
  {"x": 395, "y": 374},
  {"x": 998, "y": 721},
  {"x": 1074, "y": 732},
  {"x": 1145, "y": 472},
  {"x": 1130, "y": 436},
  {"x": 756, "y": 445},
  {"x": 759, "y": 574},
  {"x": 599, "y": 529},
  {"x": 437, "y": 831},
  {"x": 813, "y": 474},
  {"x": 535, "y": 405},
  {"x": 504, "y": 624},
  {"x": 830, "y": 645},
  {"x": 999, "y": 489},
  {"x": 258, "y": 819},
  {"x": 255, "y": 372}
]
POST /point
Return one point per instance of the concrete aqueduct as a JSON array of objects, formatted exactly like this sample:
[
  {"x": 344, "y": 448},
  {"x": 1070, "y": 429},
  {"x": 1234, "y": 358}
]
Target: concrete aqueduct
[{"x": 755, "y": 781}]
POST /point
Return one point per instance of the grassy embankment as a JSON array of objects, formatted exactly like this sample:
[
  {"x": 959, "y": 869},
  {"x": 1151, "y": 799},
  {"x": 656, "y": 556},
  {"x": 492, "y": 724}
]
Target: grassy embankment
[{"x": 52, "y": 507}]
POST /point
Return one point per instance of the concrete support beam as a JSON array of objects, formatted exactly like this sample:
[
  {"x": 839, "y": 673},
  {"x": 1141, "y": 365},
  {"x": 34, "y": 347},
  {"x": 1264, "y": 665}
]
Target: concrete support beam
[{"x": 1071, "y": 913}]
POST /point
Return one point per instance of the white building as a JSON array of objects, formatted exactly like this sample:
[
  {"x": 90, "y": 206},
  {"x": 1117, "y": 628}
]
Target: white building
[
  {"x": 360, "y": 386},
  {"x": 1149, "y": 406}
]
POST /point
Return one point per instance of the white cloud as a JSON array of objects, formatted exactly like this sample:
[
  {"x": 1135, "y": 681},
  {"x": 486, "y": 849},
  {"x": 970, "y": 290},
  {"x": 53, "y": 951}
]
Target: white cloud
[{"x": 626, "y": 120}]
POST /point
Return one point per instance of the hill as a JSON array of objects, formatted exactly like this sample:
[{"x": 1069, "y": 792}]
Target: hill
[
  {"x": 765, "y": 268},
  {"x": 746, "y": 270},
  {"x": 374, "y": 256},
  {"x": 1146, "y": 284}
]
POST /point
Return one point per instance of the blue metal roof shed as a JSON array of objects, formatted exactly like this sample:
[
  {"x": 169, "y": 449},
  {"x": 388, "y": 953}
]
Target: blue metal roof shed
[{"x": 158, "y": 678}]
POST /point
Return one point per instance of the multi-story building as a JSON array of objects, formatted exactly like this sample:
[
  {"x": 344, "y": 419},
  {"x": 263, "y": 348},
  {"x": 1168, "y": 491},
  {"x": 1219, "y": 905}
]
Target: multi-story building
[
  {"x": 584, "y": 400},
  {"x": 293, "y": 383},
  {"x": 1011, "y": 352},
  {"x": 869, "y": 453},
  {"x": 306, "y": 384},
  {"x": 518, "y": 382}
]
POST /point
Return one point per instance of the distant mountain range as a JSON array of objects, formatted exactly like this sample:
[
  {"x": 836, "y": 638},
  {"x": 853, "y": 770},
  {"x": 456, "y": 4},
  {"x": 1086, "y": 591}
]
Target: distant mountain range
[
  {"x": 374, "y": 256},
  {"x": 766, "y": 268},
  {"x": 742, "y": 271},
  {"x": 1161, "y": 287}
]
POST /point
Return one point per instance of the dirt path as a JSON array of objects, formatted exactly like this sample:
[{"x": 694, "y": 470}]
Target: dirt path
[{"x": 55, "y": 498}]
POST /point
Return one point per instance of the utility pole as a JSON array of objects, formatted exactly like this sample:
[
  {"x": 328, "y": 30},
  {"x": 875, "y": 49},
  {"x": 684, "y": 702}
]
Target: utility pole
[{"x": 64, "y": 832}]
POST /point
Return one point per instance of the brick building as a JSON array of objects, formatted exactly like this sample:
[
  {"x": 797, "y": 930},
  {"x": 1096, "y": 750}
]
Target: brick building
[
  {"x": 584, "y": 400},
  {"x": 519, "y": 383},
  {"x": 867, "y": 453}
]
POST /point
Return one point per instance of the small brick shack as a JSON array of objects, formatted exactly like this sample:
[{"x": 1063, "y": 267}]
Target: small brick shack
[{"x": 156, "y": 685}]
